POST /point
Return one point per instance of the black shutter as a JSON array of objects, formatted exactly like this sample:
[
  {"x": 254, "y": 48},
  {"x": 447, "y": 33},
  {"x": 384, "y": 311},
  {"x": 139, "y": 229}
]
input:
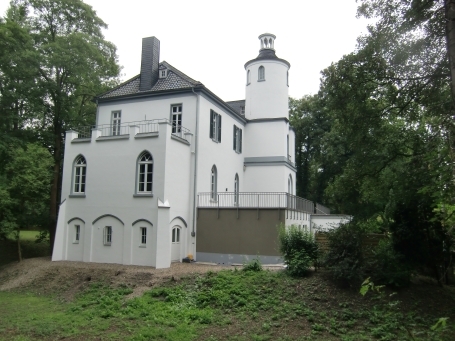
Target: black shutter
[
  {"x": 234, "y": 136},
  {"x": 240, "y": 140},
  {"x": 219, "y": 128},
  {"x": 211, "y": 124}
]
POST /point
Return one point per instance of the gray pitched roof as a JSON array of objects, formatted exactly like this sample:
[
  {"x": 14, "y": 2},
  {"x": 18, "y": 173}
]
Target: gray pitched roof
[
  {"x": 175, "y": 80},
  {"x": 237, "y": 106}
]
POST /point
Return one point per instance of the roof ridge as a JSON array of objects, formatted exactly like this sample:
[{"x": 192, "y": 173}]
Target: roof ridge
[{"x": 179, "y": 73}]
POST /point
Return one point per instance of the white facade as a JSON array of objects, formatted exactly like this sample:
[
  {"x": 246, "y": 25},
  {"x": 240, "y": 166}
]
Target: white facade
[{"x": 131, "y": 184}]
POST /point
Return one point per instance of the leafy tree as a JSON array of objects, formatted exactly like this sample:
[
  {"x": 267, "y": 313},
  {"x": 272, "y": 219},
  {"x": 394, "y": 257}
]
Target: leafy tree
[
  {"x": 24, "y": 190},
  {"x": 67, "y": 61}
]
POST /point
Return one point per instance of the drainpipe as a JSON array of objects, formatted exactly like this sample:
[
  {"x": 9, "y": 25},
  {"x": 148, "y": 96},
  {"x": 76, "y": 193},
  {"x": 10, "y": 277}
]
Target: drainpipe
[{"x": 193, "y": 233}]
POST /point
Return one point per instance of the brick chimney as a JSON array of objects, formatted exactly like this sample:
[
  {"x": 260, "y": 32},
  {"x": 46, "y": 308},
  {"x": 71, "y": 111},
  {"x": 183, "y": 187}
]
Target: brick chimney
[{"x": 149, "y": 63}]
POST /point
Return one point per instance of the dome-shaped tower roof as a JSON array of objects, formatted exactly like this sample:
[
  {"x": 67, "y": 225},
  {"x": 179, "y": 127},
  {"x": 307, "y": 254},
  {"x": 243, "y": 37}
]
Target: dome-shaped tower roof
[{"x": 267, "y": 50}]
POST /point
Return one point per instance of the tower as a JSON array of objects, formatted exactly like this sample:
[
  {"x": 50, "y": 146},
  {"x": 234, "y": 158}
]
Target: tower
[{"x": 267, "y": 83}]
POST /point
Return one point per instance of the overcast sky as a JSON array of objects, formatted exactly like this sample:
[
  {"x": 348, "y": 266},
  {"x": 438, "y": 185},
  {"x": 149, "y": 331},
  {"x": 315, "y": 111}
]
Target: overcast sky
[{"x": 210, "y": 41}]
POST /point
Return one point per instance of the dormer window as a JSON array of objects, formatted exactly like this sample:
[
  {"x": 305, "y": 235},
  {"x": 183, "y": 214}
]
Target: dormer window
[{"x": 163, "y": 73}]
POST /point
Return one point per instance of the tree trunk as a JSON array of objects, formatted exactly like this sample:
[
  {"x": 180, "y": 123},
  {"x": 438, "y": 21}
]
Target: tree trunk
[
  {"x": 19, "y": 253},
  {"x": 450, "y": 36}
]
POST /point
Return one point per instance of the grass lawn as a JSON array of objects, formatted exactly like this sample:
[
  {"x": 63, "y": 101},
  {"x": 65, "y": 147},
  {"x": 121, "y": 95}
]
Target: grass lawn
[
  {"x": 229, "y": 305},
  {"x": 30, "y": 249}
]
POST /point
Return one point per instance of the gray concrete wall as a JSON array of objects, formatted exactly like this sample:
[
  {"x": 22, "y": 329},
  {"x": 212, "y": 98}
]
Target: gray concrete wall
[{"x": 222, "y": 232}]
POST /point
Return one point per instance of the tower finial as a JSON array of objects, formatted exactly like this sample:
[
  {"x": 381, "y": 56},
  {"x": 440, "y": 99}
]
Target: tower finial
[{"x": 267, "y": 41}]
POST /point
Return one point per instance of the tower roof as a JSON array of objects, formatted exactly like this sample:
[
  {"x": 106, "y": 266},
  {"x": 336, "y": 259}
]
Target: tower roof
[{"x": 267, "y": 51}]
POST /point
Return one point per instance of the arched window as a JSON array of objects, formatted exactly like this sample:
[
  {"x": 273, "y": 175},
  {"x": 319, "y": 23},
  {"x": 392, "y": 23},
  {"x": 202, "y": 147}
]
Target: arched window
[
  {"x": 261, "y": 73},
  {"x": 145, "y": 173},
  {"x": 290, "y": 185},
  {"x": 248, "y": 77},
  {"x": 80, "y": 171},
  {"x": 236, "y": 189},
  {"x": 213, "y": 183}
]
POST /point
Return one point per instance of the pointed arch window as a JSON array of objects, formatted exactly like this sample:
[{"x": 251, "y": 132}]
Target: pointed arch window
[
  {"x": 145, "y": 173},
  {"x": 261, "y": 73},
  {"x": 213, "y": 183},
  {"x": 80, "y": 171},
  {"x": 236, "y": 189}
]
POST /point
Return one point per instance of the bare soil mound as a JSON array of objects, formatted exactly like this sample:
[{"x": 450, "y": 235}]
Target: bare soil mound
[{"x": 65, "y": 279}]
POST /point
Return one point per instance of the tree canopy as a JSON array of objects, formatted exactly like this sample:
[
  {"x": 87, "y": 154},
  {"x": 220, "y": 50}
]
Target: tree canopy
[{"x": 53, "y": 61}]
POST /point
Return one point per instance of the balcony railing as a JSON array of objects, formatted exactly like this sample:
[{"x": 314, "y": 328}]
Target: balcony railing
[
  {"x": 150, "y": 126},
  {"x": 257, "y": 200}
]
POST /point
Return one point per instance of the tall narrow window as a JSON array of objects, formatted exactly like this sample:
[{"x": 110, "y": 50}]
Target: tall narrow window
[
  {"x": 261, "y": 73},
  {"x": 80, "y": 170},
  {"x": 116, "y": 122},
  {"x": 290, "y": 185},
  {"x": 287, "y": 78},
  {"x": 215, "y": 126},
  {"x": 248, "y": 77},
  {"x": 287, "y": 147},
  {"x": 237, "y": 139},
  {"x": 236, "y": 190},
  {"x": 107, "y": 235},
  {"x": 145, "y": 173},
  {"x": 78, "y": 233},
  {"x": 143, "y": 235},
  {"x": 176, "y": 112},
  {"x": 176, "y": 235},
  {"x": 213, "y": 183}
]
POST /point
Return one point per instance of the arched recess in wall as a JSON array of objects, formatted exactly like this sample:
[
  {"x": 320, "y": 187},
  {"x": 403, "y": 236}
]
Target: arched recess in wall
[
  {"x": 75, "y": 218},
  {"x": 141, "y": 220},
  {"x": 179, "y": 218},
  {"x": 108, "y": 215}
]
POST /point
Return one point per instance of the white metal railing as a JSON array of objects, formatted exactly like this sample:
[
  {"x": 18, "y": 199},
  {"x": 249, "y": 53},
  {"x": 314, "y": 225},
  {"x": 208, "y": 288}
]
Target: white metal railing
[
  {"x": 257, "y": 200},
  {"x": 146, "y": 126}
]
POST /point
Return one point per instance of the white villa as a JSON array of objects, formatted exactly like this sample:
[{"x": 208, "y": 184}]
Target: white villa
[{"x": 172, "y": 170}]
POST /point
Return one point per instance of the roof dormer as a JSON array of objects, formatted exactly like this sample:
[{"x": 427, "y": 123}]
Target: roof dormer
[{"x": 162, "y": 71}]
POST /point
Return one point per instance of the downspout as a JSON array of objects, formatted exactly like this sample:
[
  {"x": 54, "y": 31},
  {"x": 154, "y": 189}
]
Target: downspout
[{"x": 193, "y": 233}]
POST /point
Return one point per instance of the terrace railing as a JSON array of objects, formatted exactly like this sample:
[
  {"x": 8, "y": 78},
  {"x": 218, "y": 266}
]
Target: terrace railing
[
  {"x": 255, "y": 200},
  {"x": 150, "y": 126}
]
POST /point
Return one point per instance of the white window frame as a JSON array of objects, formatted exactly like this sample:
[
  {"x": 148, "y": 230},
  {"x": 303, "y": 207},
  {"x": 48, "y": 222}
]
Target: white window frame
[
  {"x": 237, "y": 139},
  {"x": 77, "y": 235},
  {"x": 176, "y": 119},
  {"x": 107, "y": 235},
  {"x": 116, "y": 123},
  {"x": 176, "y": 235},
  {"x": 248, "y": 75},
  {"x": 215, "y": 126},
  {"x": 144, "y": 185},
  {"x": 290, "y": 185},
  {"x": 261, "y": 73},
  {"x": 213, "y": 183},
  {"x": 80, "y": 175},
  {"x": 163, "y": 73},
  {"x": 143, "y": 236}
]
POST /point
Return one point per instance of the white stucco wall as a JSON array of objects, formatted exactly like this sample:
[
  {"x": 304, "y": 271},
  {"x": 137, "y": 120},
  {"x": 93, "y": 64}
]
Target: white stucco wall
[
  {"x": 328, "y": 222},
  {"x": 269, "y": 98}
]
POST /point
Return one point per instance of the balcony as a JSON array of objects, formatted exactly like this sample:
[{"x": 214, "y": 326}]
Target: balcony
[
  {"x": 125, "y": 129},
  {"x": 259, "y": 200}
]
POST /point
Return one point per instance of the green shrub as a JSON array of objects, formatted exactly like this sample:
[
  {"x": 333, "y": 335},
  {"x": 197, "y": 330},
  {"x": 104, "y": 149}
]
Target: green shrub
[
  {"x": 345, "y": 258},
  {"x": 389, "y": 267},
  {"x": 254, "y": 265},
  {"x": 299, "y": 250}
]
